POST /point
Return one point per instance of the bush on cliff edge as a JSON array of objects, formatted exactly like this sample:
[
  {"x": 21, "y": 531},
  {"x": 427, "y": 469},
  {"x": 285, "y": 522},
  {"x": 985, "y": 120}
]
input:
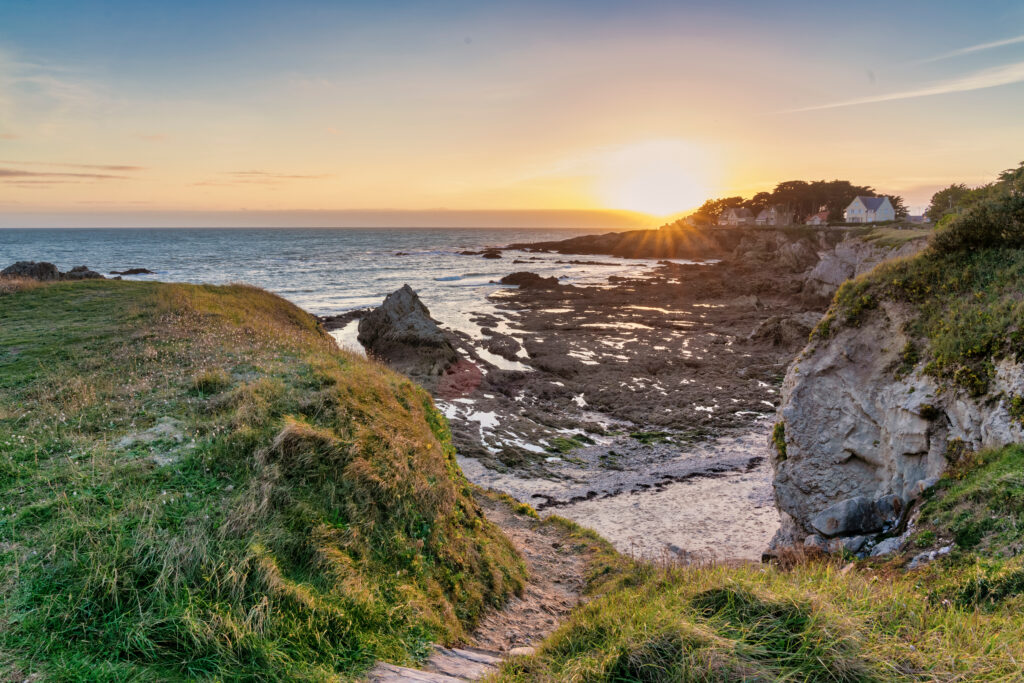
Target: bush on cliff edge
[{"x": 195, "y": 483}]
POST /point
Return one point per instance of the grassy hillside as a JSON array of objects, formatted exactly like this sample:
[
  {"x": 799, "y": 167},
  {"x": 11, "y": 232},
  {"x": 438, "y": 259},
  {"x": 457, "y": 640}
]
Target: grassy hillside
[
  {"x": 958, "y": 618},
  {"x": 194, "y": 483}
]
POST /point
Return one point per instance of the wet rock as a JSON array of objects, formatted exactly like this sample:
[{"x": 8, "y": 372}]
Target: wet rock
[
  {"x": 133, "y": 271},
  {"x": 81, "y": 273},
  {"x": 32, "y": 270},
  {"x": 402, "y": 332},
  {"x": 491, "y": 253},
  {"x": 528, "y": 280},
  {"x": 503, "y": 345}
]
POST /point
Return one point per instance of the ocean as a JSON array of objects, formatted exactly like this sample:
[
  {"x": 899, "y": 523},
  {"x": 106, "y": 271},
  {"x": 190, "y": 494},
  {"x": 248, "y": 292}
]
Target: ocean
[{"x": 324, "y": 271}]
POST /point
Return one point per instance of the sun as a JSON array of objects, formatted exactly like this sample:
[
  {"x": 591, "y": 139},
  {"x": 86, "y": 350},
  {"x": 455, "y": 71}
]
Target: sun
[{"x": 656, "y": 177}]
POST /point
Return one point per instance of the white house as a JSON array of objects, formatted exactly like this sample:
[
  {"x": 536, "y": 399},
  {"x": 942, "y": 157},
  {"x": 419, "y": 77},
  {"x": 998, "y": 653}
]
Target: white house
[
  {"x": 869, "y": 210},
  {"x": 820, "y": 218},
  {"x": 774, "y": 215},
  {"x": 736, "y": 216}
]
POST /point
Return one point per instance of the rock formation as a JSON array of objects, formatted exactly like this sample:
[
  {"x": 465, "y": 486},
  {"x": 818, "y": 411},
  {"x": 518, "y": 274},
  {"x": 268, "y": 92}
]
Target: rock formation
[
  {"x": 848, "y": 259},
  {"x": 32, "y": 270},
  {"x": 862, "y": 441},
  {"x": 47, "y": 272},
  {"x": 528, "y": 280},
  {"x": 402, "y": 333}
]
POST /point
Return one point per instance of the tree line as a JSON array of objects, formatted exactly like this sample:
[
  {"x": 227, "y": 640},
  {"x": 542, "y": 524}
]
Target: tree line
[
  {"x": 801, "y": 197},
  {"x": 958, "y": 198}
]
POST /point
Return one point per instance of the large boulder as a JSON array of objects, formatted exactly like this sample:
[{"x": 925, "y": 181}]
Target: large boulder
[
  {"x": 862, "y": 441},
  {"x": 32, "y": 270},
  {"x": 402, "y": 333}
]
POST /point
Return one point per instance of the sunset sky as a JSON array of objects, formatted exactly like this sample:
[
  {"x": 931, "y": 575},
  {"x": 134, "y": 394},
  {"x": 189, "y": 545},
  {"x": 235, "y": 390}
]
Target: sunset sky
[{"x": 300, "y": 113}]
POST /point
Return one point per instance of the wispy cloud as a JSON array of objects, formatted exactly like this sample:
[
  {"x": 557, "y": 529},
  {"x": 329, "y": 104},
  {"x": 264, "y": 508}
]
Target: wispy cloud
[
  {"x": 229, "y": 178},
  {"x": 95, "y": 167},
  {"x": 18, "y": 175},
  {"x": 989, "y": 78},
  {"x": 981, "y": 47},
  {"x": 267, "y": 175}
]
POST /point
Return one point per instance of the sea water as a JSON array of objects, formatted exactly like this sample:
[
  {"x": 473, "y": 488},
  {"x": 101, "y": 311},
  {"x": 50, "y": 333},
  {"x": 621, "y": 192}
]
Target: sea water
[{"x": 325, "y": 271}]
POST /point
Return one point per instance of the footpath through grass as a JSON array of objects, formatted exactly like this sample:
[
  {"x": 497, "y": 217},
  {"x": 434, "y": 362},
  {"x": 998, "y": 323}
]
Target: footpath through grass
[{"x": 195, "y": 484}]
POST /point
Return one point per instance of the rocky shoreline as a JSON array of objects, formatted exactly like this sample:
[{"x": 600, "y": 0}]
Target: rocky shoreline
[{"x": 638, "y": 405}]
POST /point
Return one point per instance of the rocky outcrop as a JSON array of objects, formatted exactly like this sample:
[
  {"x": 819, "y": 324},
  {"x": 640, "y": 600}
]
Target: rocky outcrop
[
  {"x": 528, "y": 280},
  {"x": 402, "y": 333},
  {"x": 47, "y": 272},
  {"x": 133, "y": 271},
  {"x": 848, "y": 259},
  {"x": 32, "y": 270},
  {"x": 863, "y": 439},
  {"x": 81, "y": 273}
]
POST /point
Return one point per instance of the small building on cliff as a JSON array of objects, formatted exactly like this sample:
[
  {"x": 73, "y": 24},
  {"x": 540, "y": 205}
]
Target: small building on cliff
[
  {"x": 820, "y": 218},
  {"x": 774, "y": 215},
  {"x": 869, "y": 210},
  {"x": 736, "y": 216}
]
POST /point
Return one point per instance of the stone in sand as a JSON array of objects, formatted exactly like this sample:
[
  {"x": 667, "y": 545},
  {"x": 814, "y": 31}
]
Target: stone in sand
[{"x": 402, "y": 332}]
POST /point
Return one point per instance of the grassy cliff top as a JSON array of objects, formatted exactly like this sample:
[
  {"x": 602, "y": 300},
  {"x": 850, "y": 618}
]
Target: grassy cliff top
[
  {"x": 195, "y": 483},
  {"x": 964, "y": 291}
]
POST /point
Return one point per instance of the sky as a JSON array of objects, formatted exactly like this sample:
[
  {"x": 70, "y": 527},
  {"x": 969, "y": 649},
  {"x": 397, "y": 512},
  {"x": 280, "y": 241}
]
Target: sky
[{"x": 506, "y": 113}]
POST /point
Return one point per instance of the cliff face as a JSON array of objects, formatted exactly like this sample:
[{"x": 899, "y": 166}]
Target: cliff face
[{"x": 864, "y": 435}]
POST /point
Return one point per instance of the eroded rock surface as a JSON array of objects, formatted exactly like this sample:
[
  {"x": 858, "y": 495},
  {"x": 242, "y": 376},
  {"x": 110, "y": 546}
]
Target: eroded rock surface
[
  {"x": 848, "y": 259},
  {"x": 863, "y": 440},
  {"x": 402, "y": 332}
]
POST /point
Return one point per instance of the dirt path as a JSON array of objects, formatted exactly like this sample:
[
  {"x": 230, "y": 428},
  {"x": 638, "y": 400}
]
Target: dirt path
[{"x": 557, "y": 567}]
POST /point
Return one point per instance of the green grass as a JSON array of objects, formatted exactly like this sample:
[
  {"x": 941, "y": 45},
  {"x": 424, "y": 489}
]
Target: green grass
[
  {"x": 816, "y": 619},
  {"x": 963, "y": 292},
  {"x": 299, "y": 516},
  {"x": 895, "y": 237},
  {"x": 966, "y": 310}
]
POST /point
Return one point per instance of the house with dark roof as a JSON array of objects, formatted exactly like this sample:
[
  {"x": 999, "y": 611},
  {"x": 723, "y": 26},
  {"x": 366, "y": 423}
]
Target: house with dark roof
[
  {"x": 869, "y": 210},
  {"x": 736, "y": 216}
]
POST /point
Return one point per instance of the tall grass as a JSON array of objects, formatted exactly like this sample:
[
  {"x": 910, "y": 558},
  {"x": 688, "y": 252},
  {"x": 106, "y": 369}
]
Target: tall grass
[{"x": 197, "y": 485}]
